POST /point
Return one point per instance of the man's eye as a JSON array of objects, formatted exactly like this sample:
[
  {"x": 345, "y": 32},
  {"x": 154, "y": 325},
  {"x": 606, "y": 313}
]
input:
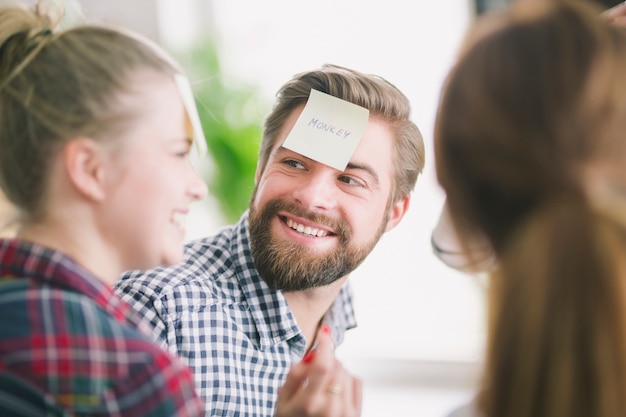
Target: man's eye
[
  {"x": 351, "y": 181},
  {"x": 293, "y": 163}
]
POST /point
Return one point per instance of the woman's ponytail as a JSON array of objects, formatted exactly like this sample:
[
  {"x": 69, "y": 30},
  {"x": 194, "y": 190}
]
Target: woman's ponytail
[{"x": 558, "y": 318}]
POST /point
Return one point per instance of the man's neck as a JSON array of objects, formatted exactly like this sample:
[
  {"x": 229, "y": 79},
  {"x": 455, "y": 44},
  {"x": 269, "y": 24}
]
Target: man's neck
[{"x": 309, "y": 307}]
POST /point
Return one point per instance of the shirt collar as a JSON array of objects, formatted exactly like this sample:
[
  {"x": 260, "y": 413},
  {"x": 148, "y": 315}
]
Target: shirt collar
[
  {"x": 269, "y": 309},
  {"x": 22, "y": 259}
]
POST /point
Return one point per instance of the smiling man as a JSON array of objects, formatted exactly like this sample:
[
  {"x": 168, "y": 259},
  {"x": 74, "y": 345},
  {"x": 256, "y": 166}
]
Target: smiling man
[{"x": 246, "y": 303}]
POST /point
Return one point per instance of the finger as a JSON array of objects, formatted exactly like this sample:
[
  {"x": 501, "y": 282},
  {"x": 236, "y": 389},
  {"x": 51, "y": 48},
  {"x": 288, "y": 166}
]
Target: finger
[
  {"x": 324, "y": 341},
  {"x": 321, "y": 366},
  {"x": 357, "y": 395},
  {"x": 615, "y": 11},
  {"x": 343, "y": 395},
  {"x": 619, "y": 21},
  {"x": 338, "y": 380},
  {"x": 294, "y": 381},
  {"x": 314, "y": 368}
]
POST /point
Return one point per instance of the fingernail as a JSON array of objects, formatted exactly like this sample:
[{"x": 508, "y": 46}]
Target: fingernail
[
  {"x": 308, "y": 358},
  {"x": 325, "y": 329}
]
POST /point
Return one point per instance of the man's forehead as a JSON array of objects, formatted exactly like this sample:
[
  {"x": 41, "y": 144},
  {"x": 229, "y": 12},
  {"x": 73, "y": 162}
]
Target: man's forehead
[{"x": 328, "y": 130}]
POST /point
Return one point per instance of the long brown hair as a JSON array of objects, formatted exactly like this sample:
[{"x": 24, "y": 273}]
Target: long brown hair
[{"x": 529, "y": 144}]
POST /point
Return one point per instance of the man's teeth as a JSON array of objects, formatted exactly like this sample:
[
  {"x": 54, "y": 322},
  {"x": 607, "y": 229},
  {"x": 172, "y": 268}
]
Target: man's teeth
[
  {"x": 178, "y": 219},
  {"x": 307, "y": 230}
]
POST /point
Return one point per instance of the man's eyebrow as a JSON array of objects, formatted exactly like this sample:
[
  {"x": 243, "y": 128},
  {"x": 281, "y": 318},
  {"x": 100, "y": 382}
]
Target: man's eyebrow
[
  {"x": 351, "y": 165},
  {"x": 281, "y": 149},
  {"x": 366, "y": 168}
]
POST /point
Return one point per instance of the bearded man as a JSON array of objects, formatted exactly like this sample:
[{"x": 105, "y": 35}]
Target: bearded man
[{"x": 247, "y": 302}]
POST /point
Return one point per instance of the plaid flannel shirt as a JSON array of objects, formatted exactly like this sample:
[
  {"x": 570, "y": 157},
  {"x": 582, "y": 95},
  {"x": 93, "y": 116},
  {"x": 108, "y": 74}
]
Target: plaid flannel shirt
[
  {"x": 67, "y": 342},
  {"x": 216, "y": 313}
]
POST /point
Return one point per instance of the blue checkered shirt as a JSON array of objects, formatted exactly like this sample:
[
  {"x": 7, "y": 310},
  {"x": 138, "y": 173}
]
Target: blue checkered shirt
[{"x": 216, "y": 313}]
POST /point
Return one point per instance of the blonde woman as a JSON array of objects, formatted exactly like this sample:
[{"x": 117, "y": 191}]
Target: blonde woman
[{"x": 95, "y": 138}]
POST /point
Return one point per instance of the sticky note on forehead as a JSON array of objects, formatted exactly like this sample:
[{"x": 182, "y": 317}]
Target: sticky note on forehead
[
  {"x": 186, "y": 94},
  {"x": 328, "y": 130}
]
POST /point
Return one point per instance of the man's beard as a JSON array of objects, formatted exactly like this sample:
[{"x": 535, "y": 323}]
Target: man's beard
[{"x": 290, "y": 266}]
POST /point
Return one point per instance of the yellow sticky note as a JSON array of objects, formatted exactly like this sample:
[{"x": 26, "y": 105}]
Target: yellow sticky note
[
  {"x": 186, "y": 94},
  {"x": 328, "y": 130}
]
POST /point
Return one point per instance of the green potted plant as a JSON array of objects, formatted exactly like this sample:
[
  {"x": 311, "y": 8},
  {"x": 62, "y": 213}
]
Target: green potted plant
[{"x": 231, "y": 117}]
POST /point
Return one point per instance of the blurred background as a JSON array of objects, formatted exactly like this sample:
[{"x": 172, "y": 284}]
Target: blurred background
[
  {"x": 421, "y": 334},
  {"x": 421, "y": 330}
]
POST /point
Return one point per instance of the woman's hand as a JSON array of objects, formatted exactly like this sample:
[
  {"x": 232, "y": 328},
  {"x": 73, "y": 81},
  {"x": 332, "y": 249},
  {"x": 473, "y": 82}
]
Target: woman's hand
[
  {"x": 319, "y": 386},
  {"x": 616, "y": 15}
]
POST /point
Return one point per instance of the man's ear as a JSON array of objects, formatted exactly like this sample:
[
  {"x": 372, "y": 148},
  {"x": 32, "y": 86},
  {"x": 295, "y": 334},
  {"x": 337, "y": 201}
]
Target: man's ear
[
  {"x": 397, "y": 212},
  {"x": 83, "y": 160}
]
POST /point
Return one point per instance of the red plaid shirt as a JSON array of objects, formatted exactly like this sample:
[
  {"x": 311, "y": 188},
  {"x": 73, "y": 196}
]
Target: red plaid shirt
[{"x": 66, "y": 335}]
